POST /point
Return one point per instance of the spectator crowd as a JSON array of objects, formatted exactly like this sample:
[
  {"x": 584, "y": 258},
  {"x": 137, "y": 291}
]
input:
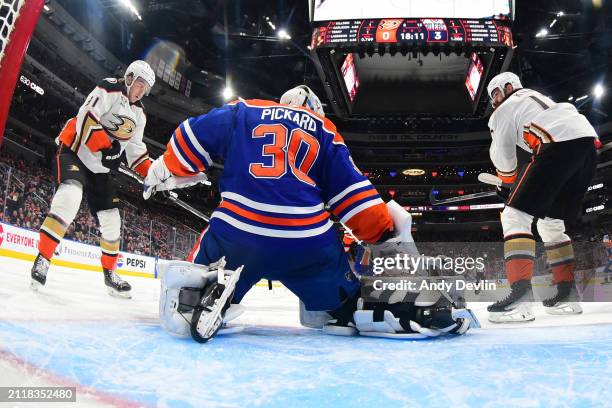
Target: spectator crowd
[{"x": 26, "y": 191}]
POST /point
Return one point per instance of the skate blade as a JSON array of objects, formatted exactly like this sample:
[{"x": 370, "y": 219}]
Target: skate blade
[
  {"x": 512, "y": 316},
  {"x": 121, "y": 295},
  {"x": 35, "y": 285},
  {"x": 567, "y": 308}
]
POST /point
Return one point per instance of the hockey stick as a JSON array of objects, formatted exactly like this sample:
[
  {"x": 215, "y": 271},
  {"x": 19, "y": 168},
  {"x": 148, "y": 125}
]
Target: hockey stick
[
  {"x": 434, "y": 201},
  {"x": 172, "y": 196},
  {"x": 485, "y": 178}
]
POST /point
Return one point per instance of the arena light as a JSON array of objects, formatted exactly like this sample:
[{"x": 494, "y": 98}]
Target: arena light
[
  {"x": 128, "y": 4},
  {"x": 560, "y": 14},
  {"x": 598, "y": 91},
  {"x": 283, "y": 34},
  {"x": 553, "y": 23},
  {"x": 583, "y": 97},
  {"x": 228, "y": 92},
  {"x": 542, "y": 33}
]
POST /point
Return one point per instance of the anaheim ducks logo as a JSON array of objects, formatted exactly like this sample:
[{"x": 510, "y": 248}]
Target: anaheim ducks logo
[{"x": 122, "y": 128}]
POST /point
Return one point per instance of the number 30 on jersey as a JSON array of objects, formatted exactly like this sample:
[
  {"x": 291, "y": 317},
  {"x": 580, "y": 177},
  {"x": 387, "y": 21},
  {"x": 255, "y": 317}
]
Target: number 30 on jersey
[{"x": 283, "y": 152}]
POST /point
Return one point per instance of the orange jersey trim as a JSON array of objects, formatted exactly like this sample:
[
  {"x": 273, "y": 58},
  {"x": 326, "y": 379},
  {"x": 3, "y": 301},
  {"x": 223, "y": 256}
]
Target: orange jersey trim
[
  {"x": 180, "y": 139},
  {"x": 289, "y": 222},
  {"x": 174, "y": 165},
  {"x": 370, "y": 224},
  {"x": 353, "y": 199}
]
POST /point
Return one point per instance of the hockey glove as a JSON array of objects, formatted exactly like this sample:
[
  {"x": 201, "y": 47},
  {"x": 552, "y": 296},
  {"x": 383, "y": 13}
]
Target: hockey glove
[
  {"x": 159, "y": 178},
  {"x": 111, "y": 156}
]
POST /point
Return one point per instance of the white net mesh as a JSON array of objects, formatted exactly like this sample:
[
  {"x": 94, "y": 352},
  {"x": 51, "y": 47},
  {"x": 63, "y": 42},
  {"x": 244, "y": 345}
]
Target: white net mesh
[{"x": 9, "y": 11}]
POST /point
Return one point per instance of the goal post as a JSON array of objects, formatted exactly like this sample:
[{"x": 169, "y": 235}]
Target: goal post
[{"x": 17, "y": 21}]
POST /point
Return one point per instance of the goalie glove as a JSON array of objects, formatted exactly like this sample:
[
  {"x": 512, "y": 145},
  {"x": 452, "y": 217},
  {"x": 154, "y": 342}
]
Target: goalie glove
[{"x": 159, "y": 178}]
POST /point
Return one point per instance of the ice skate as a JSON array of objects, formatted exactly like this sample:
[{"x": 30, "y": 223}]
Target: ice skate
[
  {"x": 516, "y": 307},
  {"x": 565, "y": 302},
  {"x": 39, "y": 272},
  {"x": 116, "y": 286}
]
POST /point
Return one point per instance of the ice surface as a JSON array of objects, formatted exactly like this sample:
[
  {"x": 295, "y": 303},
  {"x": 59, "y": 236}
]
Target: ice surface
[{"x": 73, "y": 333}]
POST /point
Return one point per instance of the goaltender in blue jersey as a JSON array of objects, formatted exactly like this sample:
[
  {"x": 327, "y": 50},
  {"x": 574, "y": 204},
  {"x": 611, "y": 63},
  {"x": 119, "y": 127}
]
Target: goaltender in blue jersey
[{"x": 286, "y": 171}]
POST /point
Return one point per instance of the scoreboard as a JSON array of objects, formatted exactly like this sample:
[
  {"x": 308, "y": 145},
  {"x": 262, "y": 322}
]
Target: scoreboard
[{"x": 441, "y": 31}]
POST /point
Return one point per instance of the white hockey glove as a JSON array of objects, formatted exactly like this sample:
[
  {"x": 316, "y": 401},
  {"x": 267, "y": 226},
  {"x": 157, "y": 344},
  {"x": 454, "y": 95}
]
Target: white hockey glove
[
  {"x": 401, "y": 243},
  {"x": 159, "y": 178}
]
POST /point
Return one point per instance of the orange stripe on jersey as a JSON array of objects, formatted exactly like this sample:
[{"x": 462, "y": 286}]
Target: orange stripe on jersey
[
  {"x": 174, "y": 165},
  {"x": 68, "y": 133},
  {"x": 353, "y": 199},
  {"x": 370, "y": 224},
  {"x": 180, "y": 139},
  {"x": 288, "y": 222}
]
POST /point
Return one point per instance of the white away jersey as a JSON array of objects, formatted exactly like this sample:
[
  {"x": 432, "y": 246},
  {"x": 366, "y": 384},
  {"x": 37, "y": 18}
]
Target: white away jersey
[
  {"x": 107, "y": 114},
  {"x": 528, "y": 114}
]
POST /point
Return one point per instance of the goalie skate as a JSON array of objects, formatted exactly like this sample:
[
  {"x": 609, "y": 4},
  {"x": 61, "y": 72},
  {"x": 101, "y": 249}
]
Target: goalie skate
[{"x": 209, "y": 314}]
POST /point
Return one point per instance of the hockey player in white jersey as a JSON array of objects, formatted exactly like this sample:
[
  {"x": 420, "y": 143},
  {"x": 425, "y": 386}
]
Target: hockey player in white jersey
[
  {"x": 550, "y": 187},
  {"x": 109, "y": 123}
]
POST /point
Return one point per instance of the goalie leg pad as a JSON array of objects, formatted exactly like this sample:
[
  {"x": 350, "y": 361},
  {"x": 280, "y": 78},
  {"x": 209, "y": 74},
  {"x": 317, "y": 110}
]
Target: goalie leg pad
[
  {"x": 407, "y": 320},
  {"x": 181, "y": 286}
]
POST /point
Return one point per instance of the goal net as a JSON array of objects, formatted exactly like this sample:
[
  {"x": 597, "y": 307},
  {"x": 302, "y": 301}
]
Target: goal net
[{"x": 17, "y": 21}]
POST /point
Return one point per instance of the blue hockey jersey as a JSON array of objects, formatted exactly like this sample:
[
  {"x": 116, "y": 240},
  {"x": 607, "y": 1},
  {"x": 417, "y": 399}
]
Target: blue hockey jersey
[{"x": 284, "y": 167}]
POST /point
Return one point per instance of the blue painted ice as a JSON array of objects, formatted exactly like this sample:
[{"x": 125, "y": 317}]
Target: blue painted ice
[{"x": 121, "y": 350}]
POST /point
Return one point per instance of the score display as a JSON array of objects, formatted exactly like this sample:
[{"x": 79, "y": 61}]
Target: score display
[
  {"x": 330, "y": 10},
  {"x": 410, "y": 30}
]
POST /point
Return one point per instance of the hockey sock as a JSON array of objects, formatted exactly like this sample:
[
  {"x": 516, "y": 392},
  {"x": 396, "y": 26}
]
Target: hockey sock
[
  {"x": 519, "y": 255},
  {"x": 51, "y": 233},
  {"x": 561, "y": 259},
  {"x": 64, "y": 207},
  {"x": 110, "y": 251},
  {"x": 110, "y": 228}
]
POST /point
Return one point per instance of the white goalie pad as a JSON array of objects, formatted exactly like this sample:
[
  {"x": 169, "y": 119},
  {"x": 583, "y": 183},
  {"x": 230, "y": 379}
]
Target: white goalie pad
[
  {"x": 313, "y": 319},
  {"x": 175, "y": 276}
]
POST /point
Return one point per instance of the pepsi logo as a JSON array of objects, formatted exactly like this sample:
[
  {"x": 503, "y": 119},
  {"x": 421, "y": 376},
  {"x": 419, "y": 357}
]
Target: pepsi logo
[
  {"x": 119, "y": 261},
  {"x": 1, "y": 235}
]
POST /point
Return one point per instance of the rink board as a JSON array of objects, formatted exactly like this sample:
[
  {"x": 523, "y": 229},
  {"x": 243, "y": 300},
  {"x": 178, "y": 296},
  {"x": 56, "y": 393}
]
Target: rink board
[{"x": 22, "y": 244}]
